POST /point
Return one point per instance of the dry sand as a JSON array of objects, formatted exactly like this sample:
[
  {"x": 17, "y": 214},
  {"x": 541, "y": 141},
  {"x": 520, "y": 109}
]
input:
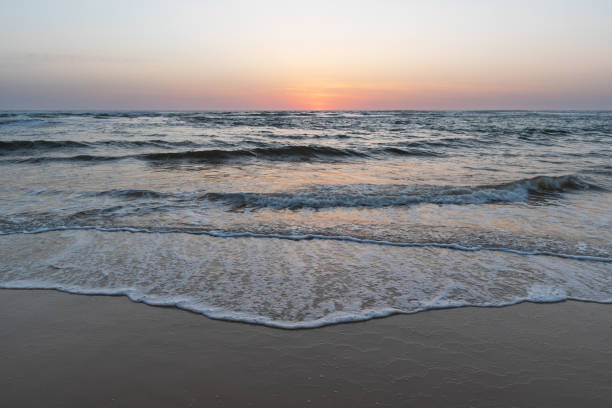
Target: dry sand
[{"x": 61, "y": 350}]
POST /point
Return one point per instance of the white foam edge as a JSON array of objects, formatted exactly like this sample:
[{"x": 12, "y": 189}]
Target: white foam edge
[
  {"x": 331, "y": 319},
  {"x": 306, "y": 237}
]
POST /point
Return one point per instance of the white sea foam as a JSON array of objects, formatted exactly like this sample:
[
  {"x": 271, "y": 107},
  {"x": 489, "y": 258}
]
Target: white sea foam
[
  {"x": 308, "y": 237},
  {"x": 290, "y": 284}
]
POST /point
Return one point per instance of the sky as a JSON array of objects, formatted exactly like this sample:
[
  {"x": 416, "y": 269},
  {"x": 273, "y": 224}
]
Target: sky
[{"x": 196, "y": 55}]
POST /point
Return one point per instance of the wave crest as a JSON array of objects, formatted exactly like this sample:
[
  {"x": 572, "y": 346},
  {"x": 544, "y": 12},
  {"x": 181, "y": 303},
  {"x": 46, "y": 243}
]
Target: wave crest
[
  {"x": 43, "y": 145},
  {"x": 401, "y": 195},
  {"x": 13, "y": 145},
  {"x": 299, "y": 152}
]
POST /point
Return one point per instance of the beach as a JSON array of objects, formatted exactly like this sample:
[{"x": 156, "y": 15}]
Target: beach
[
  {"x": 302, "y": 258},
  {"x": 290, "y": 204},
  {"x": 61, "y": 349}
]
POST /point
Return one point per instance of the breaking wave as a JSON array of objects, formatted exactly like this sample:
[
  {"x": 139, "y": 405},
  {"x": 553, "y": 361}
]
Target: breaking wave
[{"x": 400, "y": 195}]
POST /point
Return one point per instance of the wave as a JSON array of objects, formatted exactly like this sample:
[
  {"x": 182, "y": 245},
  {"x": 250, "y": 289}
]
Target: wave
[
  {"x": 310, "y": 237},
  {"x": 77, "y": 158},
  {"x": 401, "y": 195},
  {"x": 367, "y": 195},
  {"x": 281, "y": 153},
  {"x": 552, "y": 184},
  {"x": 129, "y": 194},
  {"x": 278, "y": 280},
  {"x": 13, "y": 145},
  {"x": 195, "y": 305},
  {"x": 13, "y": 121},
  {"x": 269, "y": 153},
  {"x": 284, "y": 153},
  {"x": 546, "y": 131},
  {"x": 299, "y": 152},
  {"x": 42, "y": 145},
  {"x": 96, "y": 115},
  {"x": 411, "y": 152},
  {"x": 449, "y": 142},
  {"x": 145, "y": 143}
]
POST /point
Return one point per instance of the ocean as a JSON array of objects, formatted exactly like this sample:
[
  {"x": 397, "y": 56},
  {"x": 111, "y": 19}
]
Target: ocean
[{"x": 303, "y": 219}]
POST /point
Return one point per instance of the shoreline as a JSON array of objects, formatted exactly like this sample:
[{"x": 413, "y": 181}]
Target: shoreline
[
  {"x": 296, "y": 328},
  {"x": 100, "y": 350}
]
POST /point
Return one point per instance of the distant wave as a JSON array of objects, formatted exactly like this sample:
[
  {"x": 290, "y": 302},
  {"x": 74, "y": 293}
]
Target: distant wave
[
  {"x": 129, "y": 193},
  {"x": 411, "y": 152},
  {"x": 270, "y": 153},
  {"x": 43, "y": 145},
  {"x": 13, "y": 145},
  {"x": 145, "y": 143},
  {"x": 92, "y": 114},
  {"x": 546, "y": 131},
  {"x": 448, "y": 142},
  {"x": 300, "y": 152},
  {"x": 401, "y": 121},
  {"x": 80, "y": 157}
]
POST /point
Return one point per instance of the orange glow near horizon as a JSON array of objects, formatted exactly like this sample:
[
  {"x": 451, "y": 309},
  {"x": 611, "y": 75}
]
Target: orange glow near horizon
[
  {"x": 321, "y": 95},
  {"x": 314, "y": 101},
  {"x": 318, "y": 98}
]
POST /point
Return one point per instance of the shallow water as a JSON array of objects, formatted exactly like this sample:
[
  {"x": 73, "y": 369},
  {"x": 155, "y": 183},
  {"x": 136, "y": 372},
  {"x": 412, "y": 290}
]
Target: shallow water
[{"x": 300, "y": 219}]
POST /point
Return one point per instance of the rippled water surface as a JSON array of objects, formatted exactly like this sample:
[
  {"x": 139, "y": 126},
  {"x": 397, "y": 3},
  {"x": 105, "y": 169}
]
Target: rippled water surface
[{"x": 300, "y": 219}]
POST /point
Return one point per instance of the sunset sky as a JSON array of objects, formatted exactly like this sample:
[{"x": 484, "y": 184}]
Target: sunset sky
[{"x": 305, "y": 54}]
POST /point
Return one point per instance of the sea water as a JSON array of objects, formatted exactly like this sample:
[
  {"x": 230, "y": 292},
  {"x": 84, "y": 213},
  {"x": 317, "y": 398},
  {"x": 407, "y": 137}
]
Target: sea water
[{"x": 301, "y": 219}]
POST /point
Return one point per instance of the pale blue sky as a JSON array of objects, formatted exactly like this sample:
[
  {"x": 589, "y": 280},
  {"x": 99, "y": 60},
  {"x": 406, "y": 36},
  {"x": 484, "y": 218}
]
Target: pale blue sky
[{"x": 316, "y": 54}]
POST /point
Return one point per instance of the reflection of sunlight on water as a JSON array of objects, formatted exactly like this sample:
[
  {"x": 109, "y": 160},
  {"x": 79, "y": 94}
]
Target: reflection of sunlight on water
[{"x": 291, "y": 176}]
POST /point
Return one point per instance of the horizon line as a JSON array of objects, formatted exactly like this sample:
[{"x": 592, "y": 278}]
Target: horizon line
[{"x": 304, "y": 110}]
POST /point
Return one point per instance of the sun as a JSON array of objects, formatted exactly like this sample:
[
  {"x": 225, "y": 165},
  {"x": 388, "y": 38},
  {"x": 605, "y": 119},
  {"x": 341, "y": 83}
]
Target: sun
[
  {"x": 317, "y": 101},
  {"x": 315, "y": 97}
]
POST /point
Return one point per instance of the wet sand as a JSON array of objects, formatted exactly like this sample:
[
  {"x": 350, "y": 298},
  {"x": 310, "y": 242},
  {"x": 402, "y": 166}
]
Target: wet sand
[{"x": 62, "y": 350}]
